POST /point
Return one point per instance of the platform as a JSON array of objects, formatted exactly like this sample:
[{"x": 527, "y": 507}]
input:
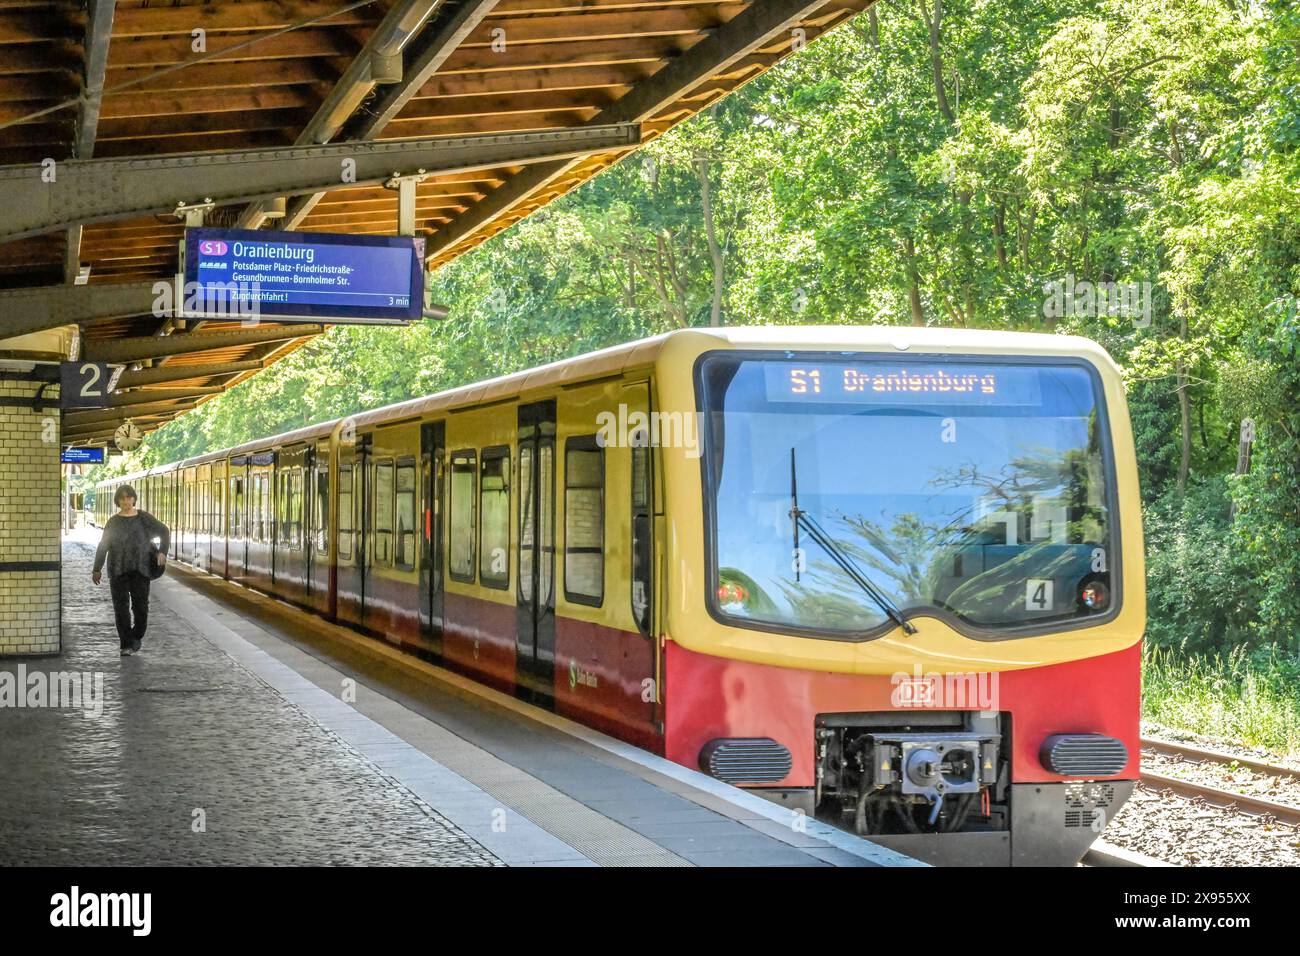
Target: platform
[{"x": 247, "y": 732}]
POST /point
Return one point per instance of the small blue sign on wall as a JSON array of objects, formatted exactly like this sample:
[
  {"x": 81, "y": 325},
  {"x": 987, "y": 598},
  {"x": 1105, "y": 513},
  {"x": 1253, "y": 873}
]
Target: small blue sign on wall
[
  {"x": 249, "y": 273},
  {"x": 82, "y": 456}
]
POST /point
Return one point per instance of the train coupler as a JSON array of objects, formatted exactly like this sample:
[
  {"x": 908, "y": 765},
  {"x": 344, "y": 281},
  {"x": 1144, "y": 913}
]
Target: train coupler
[{"x": 933, "y": 765}]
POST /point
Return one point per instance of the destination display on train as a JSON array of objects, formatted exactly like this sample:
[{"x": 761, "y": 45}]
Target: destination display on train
[
  {"x": 242, "y": 273},
  {"x": 902, "y": 383}
]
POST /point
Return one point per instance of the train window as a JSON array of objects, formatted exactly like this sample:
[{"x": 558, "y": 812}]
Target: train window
[
  {"x": 321, "y": 509},
  {"x": 255, "y": 507},
  {"x": 265, "y": 516},
  {"x": 345, "y": 512},
  {"x": 283, "y": 485},
  {"x": 274, "y": 514},
  {"x": 460, "y": 532},
  {"x": 292, "y": 534},
  {"x": 494, "y": 509},
  {"x": 298, "y": 505},
  {"x": 526, "y": 543},
  {"x": 382, "y": 512},
  {"x": 406, "y": 513},
  {"x": 268, "y": 508},
  {"x": 642, "y": 551},
  {"x": 537, "y": 533},
  {"x": 250, "y": 507},
  {"x": 284, "y": 518},
  {"x": 584, "y": 521},
  {"x": 546, "y": 521},
  {"x": 236, "y": 502},
  {"x": 1008, "y": 528},
  {"x": 218, "y": 505}
]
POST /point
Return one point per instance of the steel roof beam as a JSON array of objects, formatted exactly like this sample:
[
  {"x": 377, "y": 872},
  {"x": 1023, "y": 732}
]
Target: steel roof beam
[
  {"x": 73, "y": 419},
  {"x": 48, "y": 307},
  {"x": 367, "y": 69},
  {"x": 176, "y": 373},
  {"x": 134, "y": 348},
  {"x": 432, "y": 54},
  {"x": 104, "y": 434},
  {"x": 144, "y": 396},
  {"x": 96, "y": 190},
  {"x": 749, "y": 30}
]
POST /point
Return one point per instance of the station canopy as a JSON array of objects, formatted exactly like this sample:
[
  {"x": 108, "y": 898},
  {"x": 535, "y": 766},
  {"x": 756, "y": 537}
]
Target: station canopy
[{"x": 121, "y": 122}]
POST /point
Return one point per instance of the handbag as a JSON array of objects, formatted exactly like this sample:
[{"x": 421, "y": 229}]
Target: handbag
[{"x": 156, "y": 570}]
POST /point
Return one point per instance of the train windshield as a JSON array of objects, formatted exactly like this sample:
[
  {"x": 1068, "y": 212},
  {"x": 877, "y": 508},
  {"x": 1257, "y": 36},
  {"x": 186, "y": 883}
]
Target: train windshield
[{"x": 973, "y": 491}]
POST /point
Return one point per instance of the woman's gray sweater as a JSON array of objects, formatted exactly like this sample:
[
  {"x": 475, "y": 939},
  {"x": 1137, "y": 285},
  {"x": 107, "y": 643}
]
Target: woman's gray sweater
[{"x": 126, "y": 542}]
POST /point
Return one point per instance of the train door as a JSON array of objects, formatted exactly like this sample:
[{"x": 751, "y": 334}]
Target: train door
[
  {"x": 535, "y": 605},
  {"x": 643, "y": 655},
  {"x": 272, "y": 505},
  {"x": 364, "y": 484},
  {"x": 306, "y": 535},
  {"x": 237, "y": 542},
  {"x": 322, "y": 567},
  {"x": 433, "y": 442}
]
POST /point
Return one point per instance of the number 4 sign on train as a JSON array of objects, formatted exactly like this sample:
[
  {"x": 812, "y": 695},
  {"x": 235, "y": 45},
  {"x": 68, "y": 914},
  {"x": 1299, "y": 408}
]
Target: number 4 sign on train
[{"x": 87, "y": 384}]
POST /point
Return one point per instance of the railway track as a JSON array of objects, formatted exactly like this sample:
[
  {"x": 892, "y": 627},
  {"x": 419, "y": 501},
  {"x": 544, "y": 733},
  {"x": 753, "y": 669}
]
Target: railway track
[
  {"x": 1216, "y": 796},
  {"x": 1201, "y": 755}
]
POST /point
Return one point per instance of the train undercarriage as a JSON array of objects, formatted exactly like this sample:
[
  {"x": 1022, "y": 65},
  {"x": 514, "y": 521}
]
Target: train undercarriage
[{"x": 937, "y": 786}]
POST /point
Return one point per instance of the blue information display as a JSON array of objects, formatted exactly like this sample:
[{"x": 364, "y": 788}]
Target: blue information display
[
  {"x": 82, "y": 456},
  {"x": 309, "y": 275}
]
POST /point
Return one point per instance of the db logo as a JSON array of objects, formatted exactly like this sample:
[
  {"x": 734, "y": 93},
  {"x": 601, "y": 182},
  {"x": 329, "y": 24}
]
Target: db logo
[
  {"x": 913, "y": 692},
  {"x": 213, "y": 247}
]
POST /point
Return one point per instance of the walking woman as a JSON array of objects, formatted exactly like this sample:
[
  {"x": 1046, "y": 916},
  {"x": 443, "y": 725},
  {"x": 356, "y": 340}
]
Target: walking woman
[{"x": 128, "y": 542}]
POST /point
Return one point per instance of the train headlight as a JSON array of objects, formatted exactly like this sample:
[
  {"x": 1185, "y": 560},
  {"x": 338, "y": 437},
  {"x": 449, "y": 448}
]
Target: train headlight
[
  {"x": 731, "y": 593},
  {"x": 1095, "y": 596}
]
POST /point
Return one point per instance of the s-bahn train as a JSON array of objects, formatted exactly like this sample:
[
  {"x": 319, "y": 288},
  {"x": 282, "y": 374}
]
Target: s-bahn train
[{"x": 890, "y": 576}]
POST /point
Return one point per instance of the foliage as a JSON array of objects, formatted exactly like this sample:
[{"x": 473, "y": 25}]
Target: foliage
[{"x": 1240, "y": 696}]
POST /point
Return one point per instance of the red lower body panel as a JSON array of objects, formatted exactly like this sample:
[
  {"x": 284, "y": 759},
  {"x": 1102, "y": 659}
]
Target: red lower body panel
[
  {"x": 604, "y": 678},
  {"x": 711, "y": 697},
  {"x": 478, "y": 639}
]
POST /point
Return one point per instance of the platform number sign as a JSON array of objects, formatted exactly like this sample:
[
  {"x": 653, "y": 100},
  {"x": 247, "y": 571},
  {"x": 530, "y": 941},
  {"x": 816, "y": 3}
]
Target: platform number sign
[
  {"x": 87, "y": 384},
  {"x": 1038, "y": 594}
]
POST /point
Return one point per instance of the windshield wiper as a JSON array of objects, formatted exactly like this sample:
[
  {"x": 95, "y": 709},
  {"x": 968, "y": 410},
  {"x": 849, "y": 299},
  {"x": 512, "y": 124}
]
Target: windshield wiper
[{"x": 801, "y": 519}]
